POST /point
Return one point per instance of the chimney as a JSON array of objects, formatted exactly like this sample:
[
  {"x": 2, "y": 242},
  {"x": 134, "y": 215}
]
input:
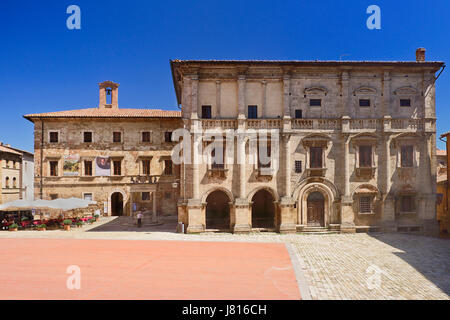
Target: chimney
[
  {"x": 420, "y": 55},
  {"x": 108, "y": 95}
]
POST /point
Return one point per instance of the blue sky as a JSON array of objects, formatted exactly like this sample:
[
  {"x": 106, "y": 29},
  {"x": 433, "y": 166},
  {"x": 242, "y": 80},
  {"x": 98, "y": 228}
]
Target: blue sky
[{"x": 46, "y": 67}]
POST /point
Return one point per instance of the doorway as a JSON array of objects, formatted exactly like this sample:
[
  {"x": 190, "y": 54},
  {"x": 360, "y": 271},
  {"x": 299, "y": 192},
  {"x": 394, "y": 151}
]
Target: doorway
[
  {"x": 116, "y": 204},
  {"x": 315, "y": 214}
]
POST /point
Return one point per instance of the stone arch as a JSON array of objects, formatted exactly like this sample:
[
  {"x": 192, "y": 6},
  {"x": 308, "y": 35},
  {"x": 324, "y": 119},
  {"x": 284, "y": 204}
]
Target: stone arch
[
  {"x": 217, "y": 209},
  {"x": 263, "y": 208},
  {"x": 368, "y": 188},
  {"x": 328, "y": 190},
  {"x": 269, "y": 189},
  {"x": 125, "y": 199},
  {"x": 225, "y": 190}
]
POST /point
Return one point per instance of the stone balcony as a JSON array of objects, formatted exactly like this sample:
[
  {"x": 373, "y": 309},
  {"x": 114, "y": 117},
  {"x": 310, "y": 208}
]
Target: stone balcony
[{"x": 344, "y": 124}]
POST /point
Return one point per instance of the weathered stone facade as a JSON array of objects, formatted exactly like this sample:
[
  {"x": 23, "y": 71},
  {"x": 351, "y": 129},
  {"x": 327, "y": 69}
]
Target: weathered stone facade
[
  {"x": 133, "y": 188},
  {"x": 10, "y": 174},
  {"x": 370, "y": 124}
]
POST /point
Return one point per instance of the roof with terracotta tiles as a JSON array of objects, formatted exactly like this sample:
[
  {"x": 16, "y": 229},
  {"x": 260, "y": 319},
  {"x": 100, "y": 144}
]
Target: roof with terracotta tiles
[
  {"x": 9, "y": 150},
  {"x": 107, "y": 113}
]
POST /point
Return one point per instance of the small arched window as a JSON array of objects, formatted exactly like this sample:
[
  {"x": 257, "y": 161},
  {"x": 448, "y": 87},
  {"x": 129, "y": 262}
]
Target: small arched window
[
  {"x": 14, "y": 182},
  {"x": 7, "y": 182}
]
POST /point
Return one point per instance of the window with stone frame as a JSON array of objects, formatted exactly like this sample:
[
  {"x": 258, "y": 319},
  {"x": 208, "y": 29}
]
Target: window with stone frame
[
  {"x": 315, "y": 102},
  {"x": 264, "y": 155},
  {"x": 405, "y": 102},
  {"x": 146, "y": 136},
  {"x": 168, "y": 136},
  {"x": 117, "y": 167},
  {"x": 88, "y": 168},
  {"x": 298, "y": 166},
  {"x": 117, "y": 136},
  {"x": 364, "y": 102},
  {"x": 87, "y": 136},
  {"x": 298, "y": 114},
  {"x": 365, "y": 204},
  {"x": 407, "y": 203},
  {"x": 315, "y": 157},
  {"x": 206, "y": 112},
  {"x": 407, "y": 156},
  {"x": 365, "y": 156},
  {"x": 53, "y": 136},
  {"x": 53, "y": 168},
  {"x": 87, "y": 196},
  {"x": 219, "y": 161},
  {"x": 145, "y": 196},
  {"x": 146, "y": 167},
  {"x": 252, "y": 112}
]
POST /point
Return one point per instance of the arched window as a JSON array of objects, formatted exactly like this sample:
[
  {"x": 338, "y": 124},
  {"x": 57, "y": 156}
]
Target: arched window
[
  {"x": 14, "y": 182},
  {"x": 7, "y": 182}
]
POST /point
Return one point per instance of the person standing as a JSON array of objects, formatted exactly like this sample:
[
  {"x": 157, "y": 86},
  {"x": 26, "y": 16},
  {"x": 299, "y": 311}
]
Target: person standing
[{"x": 139, "y": 219}]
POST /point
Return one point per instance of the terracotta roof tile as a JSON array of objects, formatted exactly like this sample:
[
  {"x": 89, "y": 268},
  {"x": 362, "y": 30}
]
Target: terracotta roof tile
[
  {"x": 9, "y": 150},
  {"x": 107, "y": 113}
]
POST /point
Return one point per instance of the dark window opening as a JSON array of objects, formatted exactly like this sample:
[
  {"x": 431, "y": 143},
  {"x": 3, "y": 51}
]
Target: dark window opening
[
  {"x": 145, "y": 196},
  {"x": 146, "y": 136},
  {"x": 365, "y": 156},
  {"x": 315, "y": 102},
  {"x": 54, "y": 136},
  {"x": 298, "y": 114},
  {"x": 206, "y": 112},
  {"x": 117, "y": 167},
  {"x": 88, "y": 168},
  {"x": 405, "y": 102},
  {"x": 87, "y": 136},
  {"x": 407, "y": 156},
  {"x": 316, "y": 157},
  {"x": 252, "y": 112},
  {"x": 298, "y": 166},
  {"x": 146, "y": 167},
  {"x": 168, "y": 136},
  {"x": 168, "y": 167},
  {"x": 365, "y": 205},
  {"x": 54, "y": 168},
  {"x": 117, "y": 136},
  {"x": 364, "y": 102}
]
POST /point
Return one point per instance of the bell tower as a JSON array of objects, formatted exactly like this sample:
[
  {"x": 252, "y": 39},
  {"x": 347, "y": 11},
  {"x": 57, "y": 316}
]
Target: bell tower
[{"x": 109, "y": 95}]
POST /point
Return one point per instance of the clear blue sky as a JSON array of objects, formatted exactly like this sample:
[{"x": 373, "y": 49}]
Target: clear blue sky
[{"x": 46, "y": 67}]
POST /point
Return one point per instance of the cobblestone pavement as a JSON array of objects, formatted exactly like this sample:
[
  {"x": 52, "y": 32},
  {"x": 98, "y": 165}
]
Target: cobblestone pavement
[{"x": 336, "y": 266}]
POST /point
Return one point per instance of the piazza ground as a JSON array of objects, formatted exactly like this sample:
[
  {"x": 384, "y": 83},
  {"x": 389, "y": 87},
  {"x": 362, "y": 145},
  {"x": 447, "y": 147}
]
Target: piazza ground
[{"x": 259, "y": 266}]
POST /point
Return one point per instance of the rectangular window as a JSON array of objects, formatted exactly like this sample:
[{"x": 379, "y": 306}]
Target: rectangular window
[
  {"x": 87, "y": 196},
  {"x": 298, "y": 114},
  {"x": 146, "y": 167},
  {"x": 364, "y": 102},
  {"x": 217, "y": 163},
  {"x": 54, "y": 168},
  {"x": 365, "y": 205},
  {"x": 206, "y": 112},
  {"x": 264, "y": 156},
  {"x": 168, "y": 167},
  {"x": 53, "y": 196},
  {"x": 365, "y": 156},
  {"x": 146, "y": 136},
  {"x": 298, "y": 166},
  {"x": 407, "y": 204},
  {"x": 316, "y": 157},
  {"x": 315, "y": 102},
  {"x": 405, "y": 102},
  {"x": 88, "y": 168},
  {"x": 87, "y": 136},
  {"x": 407, "y": 156},
  {"x": 54, "y": 136},
  {"x": 117, "y": 167},
  {"x": 117, "y": 136},
  {"x": 168, "y": 136},
  {"x": 145, "y": 196},
  {"x": 252, "y": 112}
]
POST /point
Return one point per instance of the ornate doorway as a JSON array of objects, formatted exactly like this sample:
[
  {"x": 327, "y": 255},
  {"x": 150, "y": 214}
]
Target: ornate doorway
[{"x": 315, "y": 214}]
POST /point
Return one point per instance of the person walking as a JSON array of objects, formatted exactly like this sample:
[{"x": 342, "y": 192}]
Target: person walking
[{"x": 139, "y": 219}]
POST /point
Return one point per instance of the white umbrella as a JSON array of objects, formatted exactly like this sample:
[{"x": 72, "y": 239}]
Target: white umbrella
[
  {"x": 70, "y": 203},
  {"x": 17, "y": 205}
]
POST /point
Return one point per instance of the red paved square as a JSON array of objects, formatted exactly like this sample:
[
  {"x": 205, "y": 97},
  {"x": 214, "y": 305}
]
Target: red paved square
[{"x": 129, "y": 269}]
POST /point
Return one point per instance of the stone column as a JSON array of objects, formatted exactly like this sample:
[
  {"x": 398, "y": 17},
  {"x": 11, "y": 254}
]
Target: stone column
[
  {"x": 195, "y": 167},
  {"x": 154, "y": 215},
  {"x": 264, "y": 97},
  {"x": 194, "y": 97},
  {"x": 388, "y": 217},
  {"x": 218, "y": 98},
  {"x": 287, "y": 167},
  {"x": 287, "y": 98},
  {"x": 242, "y": 210},
  {"x": 242, "y": 168},
  {"x": 241, "y": 96},
  {"x": 347, "y": 214},
  {"x": 287, "y": 214}
]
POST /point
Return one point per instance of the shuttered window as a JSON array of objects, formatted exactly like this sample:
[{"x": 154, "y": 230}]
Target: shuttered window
[
  {"x": 365, "y": 156},
  {"x": 407, "y": 156},
  {"x": 316, "y": 157}
]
